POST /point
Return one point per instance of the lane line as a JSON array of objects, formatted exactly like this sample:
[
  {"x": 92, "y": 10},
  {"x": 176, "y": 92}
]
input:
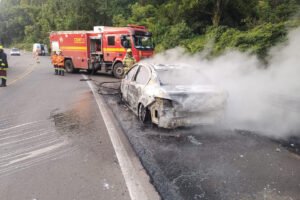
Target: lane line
[
  {"x": 25, "y": 139},
  {"x": 131, "y": 168},
  {"x": 36, "y": 153},
  {"x": 26, "y": 73},
  {"x": 18, "y": 126},
  {"x": 20, "y": 135}
]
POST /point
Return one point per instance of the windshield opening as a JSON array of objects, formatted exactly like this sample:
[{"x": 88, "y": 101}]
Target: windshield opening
[
  {"x": 143, "y": 42},
  {"x": 181, "y": 77}
]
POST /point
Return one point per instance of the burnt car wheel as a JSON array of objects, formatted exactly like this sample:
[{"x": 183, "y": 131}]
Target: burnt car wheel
[
  {"x": 143, "y": 114},
  {"x": 118, "y": 70}
]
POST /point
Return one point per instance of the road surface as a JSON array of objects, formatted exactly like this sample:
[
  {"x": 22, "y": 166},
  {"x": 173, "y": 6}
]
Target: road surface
[
  {"x": 211, "y": 162},
  {"x": 54, "y": 143}
]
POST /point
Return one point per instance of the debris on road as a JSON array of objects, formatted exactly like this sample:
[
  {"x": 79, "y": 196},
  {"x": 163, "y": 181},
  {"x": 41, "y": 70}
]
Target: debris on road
[{"x": 193, "y": 140}]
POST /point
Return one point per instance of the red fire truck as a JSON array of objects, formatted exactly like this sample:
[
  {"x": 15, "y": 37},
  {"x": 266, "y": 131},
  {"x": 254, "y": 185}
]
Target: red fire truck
[{"x": 102, "y": 49}]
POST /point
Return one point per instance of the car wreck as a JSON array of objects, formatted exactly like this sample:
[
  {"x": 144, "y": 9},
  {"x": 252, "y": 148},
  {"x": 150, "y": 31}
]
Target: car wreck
[{"x": 169, "y": 96}]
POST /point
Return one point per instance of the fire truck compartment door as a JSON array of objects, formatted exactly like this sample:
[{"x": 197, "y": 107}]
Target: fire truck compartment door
[{"x": 54, "y": 45}]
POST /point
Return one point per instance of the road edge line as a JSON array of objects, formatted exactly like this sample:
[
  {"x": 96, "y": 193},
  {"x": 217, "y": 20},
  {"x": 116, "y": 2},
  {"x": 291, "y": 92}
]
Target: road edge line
[{"x": 135, "y": 176}]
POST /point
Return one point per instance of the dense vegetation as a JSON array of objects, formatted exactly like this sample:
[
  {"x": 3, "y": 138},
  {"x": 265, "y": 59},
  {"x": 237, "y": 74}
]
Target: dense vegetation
[{"x": 252, "y": 25}]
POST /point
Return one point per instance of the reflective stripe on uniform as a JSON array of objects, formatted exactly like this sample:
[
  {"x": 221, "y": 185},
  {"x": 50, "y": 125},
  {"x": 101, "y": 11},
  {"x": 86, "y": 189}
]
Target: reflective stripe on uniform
[
  {"x": 3, "y": 77},
  {"x": 4, "y": 69}
]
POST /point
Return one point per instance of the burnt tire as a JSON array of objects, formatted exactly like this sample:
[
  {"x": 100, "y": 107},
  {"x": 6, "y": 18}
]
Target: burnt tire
[
  {"x": 118, "y": 70},
  {"x": 144, "y": 114},
  {"x": 69, "y": 66}
]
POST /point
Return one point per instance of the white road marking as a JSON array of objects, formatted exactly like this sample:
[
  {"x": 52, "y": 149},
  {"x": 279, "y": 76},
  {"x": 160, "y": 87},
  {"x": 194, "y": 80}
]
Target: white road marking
[
  {"x": 38, "y": 152},
  {"x": 25, "y": 145},
  {"x": 18, "y": 135},
  {"x": 18, "y": 126},
  {"x": 19, "y": 152},
  {"x": 129, "y": 170},
  {"x": 27, "y": 138},
  {"x": 27, "y": 72}
]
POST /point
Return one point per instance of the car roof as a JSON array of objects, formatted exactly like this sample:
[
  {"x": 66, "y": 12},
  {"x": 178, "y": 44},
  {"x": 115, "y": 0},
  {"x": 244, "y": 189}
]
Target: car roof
[{"x": 165, "y": 67}]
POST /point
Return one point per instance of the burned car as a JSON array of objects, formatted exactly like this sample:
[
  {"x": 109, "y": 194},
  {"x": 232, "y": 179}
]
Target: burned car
[{"x": 172, "y": 95}]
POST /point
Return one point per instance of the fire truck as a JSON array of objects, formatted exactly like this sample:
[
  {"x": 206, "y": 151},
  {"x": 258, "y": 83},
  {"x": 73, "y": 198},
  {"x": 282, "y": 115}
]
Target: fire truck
[{"x": 102, "y": 49}]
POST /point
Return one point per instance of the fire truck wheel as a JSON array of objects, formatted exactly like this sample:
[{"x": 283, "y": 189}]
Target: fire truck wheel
[
  {"x": 118, "y": 70},
  {"x": 69, "y": 66}
]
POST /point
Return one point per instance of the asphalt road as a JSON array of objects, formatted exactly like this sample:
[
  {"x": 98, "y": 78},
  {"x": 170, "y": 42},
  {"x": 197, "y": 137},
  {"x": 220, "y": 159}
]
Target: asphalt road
[
  {"x": 53, "y": 145},
  {"x": 53, "y": 141},
  {"x": 211, "y": 162}
]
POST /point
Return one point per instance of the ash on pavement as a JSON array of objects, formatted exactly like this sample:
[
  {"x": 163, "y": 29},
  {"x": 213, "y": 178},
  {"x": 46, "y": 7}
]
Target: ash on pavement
[{"x": 210, "y": 162}]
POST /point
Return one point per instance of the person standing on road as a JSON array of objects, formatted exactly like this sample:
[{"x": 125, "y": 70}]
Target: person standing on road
[
  {"x": 54, "y": 62},
  {"x": 128, "y": 61},
  {"x": 36, "y": 55},
  {"x": 3, "y": 67},
  {"x": 60, "y": 60}
]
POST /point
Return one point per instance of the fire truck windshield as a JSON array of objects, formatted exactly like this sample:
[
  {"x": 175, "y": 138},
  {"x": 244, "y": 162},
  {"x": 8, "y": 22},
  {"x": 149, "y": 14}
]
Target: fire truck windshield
[{"x": 143, "y": 42}]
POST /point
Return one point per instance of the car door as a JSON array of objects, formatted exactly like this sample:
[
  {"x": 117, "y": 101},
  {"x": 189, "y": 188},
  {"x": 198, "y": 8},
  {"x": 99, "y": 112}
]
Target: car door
[
  {"x": 135, "y": 89},
  {"x": 128, "y": 79}
]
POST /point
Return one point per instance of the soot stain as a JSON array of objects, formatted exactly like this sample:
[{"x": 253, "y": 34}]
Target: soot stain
[{"x": 66, "y": 122}]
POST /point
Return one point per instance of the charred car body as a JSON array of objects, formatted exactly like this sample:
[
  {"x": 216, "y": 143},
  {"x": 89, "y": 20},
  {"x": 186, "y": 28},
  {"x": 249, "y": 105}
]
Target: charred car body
[{"x": 168, "y": 96}]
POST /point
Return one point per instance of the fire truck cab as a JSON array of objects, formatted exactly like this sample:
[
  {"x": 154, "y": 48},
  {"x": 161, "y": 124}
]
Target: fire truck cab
[{"x": 102, "y": 49}]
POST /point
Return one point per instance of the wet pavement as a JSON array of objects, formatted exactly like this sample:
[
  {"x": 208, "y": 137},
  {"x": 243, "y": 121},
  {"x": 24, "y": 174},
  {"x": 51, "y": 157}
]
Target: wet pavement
[
  {"x": 211, "y": 162},
  {"x": 53, "y": 141},
  {"x": 54, "y": 145}
]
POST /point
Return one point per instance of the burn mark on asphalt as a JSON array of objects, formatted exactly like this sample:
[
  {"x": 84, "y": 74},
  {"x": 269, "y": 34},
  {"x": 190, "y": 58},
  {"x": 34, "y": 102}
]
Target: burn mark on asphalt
[
  {"x": 209, "y": 163},
  {"x": 67, "y": 122},
  {"x": 77, "y": 119}
]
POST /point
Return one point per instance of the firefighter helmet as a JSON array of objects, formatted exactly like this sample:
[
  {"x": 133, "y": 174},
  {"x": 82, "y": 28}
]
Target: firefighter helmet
[{"x": 129, "y": 51}]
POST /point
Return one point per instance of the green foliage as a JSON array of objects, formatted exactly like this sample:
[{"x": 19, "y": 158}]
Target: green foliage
[
  {"x": 257, "y": 40},
  {"x": 195, "y": 44},
  {"x": 175, "y": 35},
  {"x": 277, "y": 11},
  {"x": 253, "y": 26}
]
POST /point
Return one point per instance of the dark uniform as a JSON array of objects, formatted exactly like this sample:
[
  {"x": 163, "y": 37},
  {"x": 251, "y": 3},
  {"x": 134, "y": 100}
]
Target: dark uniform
[{"x": 3, "y": 67}]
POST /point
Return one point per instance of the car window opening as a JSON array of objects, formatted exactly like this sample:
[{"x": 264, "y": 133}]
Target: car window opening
[
  {"x": 143, "y": 76},
  {"x": 181, "y": 77},
  {"x": 156, "y": 114}
]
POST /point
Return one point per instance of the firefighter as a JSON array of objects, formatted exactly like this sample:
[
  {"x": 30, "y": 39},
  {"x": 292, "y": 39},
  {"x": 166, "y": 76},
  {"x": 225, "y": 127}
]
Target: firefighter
[
  {"x": 54, "y": 62},
  {"x": 36, "y": 54},
  {"x": 60, "y": 60},
  {"x": 3, "y": 67},
  {"x": 128, "y": 61}
]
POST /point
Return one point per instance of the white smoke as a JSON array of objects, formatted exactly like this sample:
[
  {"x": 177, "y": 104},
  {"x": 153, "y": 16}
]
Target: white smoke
[{"x": 262, "y": 99}]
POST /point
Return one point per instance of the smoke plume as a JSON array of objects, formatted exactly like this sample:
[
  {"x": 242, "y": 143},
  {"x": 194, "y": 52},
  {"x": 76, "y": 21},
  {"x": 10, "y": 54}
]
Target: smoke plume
[{"x": 264, "y": 99}]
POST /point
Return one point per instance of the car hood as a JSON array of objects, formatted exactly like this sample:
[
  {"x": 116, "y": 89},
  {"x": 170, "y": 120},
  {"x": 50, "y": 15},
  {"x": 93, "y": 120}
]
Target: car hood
[{"x": 193, "y": 97}]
